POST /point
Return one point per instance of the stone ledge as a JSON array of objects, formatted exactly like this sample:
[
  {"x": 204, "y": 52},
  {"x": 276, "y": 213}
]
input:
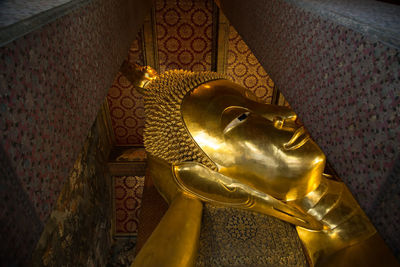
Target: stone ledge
[
  {"x": 377, "y": 20},
  {"x": 11, "y": 32}
]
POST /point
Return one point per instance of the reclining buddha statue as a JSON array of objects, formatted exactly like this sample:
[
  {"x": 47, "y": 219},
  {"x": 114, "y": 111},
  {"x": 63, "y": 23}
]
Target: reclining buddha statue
[{"x": 210, "y": 140}]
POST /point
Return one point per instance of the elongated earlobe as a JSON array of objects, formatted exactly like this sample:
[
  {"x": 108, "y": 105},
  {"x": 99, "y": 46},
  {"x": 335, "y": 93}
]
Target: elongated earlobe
[{"x": 213, "y": 187}]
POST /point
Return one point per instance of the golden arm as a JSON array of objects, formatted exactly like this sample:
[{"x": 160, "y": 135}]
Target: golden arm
[{"x": 174, "y": 243}]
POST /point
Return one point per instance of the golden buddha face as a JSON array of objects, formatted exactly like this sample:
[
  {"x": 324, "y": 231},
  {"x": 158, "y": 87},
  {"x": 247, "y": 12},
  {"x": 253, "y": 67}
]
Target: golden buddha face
[{"x": 258, "y": 144}]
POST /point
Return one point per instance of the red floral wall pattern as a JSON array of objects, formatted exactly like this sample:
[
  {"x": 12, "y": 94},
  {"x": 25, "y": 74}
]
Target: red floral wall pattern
[
  {"x": 244, "y": 68},
  {"x": 126, "y": 104},
  {"x": 128, "y": 197},
  {"x": 184, "y": 33}
]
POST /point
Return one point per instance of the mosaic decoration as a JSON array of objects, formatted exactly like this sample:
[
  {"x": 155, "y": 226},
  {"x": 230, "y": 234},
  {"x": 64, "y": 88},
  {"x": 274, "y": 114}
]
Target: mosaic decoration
[
  {"x": 126, "y": 104},
  {"x": 244, "y": 68},
  {"x": 53, "y": 81},
  {"x": 122, "y": 252},
  {"x": 77, "y": 232},
  {"x": 128, "y": 192},
  {"x": 232, "y": 237},
  {"x": 184, "y": 33},
  {"x": 345, "y": 88}
]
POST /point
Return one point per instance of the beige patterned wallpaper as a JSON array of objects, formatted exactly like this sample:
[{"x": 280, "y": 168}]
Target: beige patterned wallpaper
[
  {"x": 244, "y": 68},
  {"x": 184, "y": 34}
]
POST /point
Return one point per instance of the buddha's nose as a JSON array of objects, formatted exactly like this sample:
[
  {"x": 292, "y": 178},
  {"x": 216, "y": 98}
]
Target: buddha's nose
[
  {"x": 299, "y": 138},
  {"x": 285, "y": 124}
]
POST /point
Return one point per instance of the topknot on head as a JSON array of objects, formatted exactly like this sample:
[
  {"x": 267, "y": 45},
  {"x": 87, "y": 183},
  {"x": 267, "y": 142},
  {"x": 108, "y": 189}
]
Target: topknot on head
[{"x": 139, "y": 76}]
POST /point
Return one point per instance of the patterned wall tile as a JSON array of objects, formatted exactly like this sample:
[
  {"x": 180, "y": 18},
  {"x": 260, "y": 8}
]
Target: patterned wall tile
[
  {"x": 128, "y": 192},
  {"x": 184, "y": 33},
  {"x": 244, "y": 68},
  {"x": 126, "y": 104}
]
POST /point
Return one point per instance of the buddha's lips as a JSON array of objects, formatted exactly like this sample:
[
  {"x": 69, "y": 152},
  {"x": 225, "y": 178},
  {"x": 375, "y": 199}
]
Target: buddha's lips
[{"x": 299, "y": 138}]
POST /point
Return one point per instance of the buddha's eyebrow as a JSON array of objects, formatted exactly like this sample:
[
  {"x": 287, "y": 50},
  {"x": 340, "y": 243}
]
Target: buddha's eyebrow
[{"x": 236, "y": 121}]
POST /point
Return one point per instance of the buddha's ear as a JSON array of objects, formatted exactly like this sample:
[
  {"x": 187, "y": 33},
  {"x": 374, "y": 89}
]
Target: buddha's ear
[
  {"x": 211, "y": 186},
  {"x": 208, "y": 185}
]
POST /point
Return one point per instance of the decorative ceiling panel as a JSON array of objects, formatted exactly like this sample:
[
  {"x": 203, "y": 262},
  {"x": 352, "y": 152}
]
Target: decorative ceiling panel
[
  {"x": 126, "y": 104},
  {"x": 244, "y": 68},
  {"x": 184, "y": 34}
]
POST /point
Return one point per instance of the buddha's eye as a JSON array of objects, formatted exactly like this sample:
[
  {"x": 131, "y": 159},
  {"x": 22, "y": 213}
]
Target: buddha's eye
[
  {"x": 237, "y": 121},
  {"x": 243, "y": 116}
]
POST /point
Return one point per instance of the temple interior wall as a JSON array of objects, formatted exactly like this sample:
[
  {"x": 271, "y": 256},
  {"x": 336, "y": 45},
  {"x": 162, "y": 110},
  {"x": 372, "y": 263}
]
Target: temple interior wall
[
  {"x": 78, "y": 231},
  {"x": 339, "y": 70},
  {"x": 342, "y": 82},
  {"x": 53, "y": 81}
]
